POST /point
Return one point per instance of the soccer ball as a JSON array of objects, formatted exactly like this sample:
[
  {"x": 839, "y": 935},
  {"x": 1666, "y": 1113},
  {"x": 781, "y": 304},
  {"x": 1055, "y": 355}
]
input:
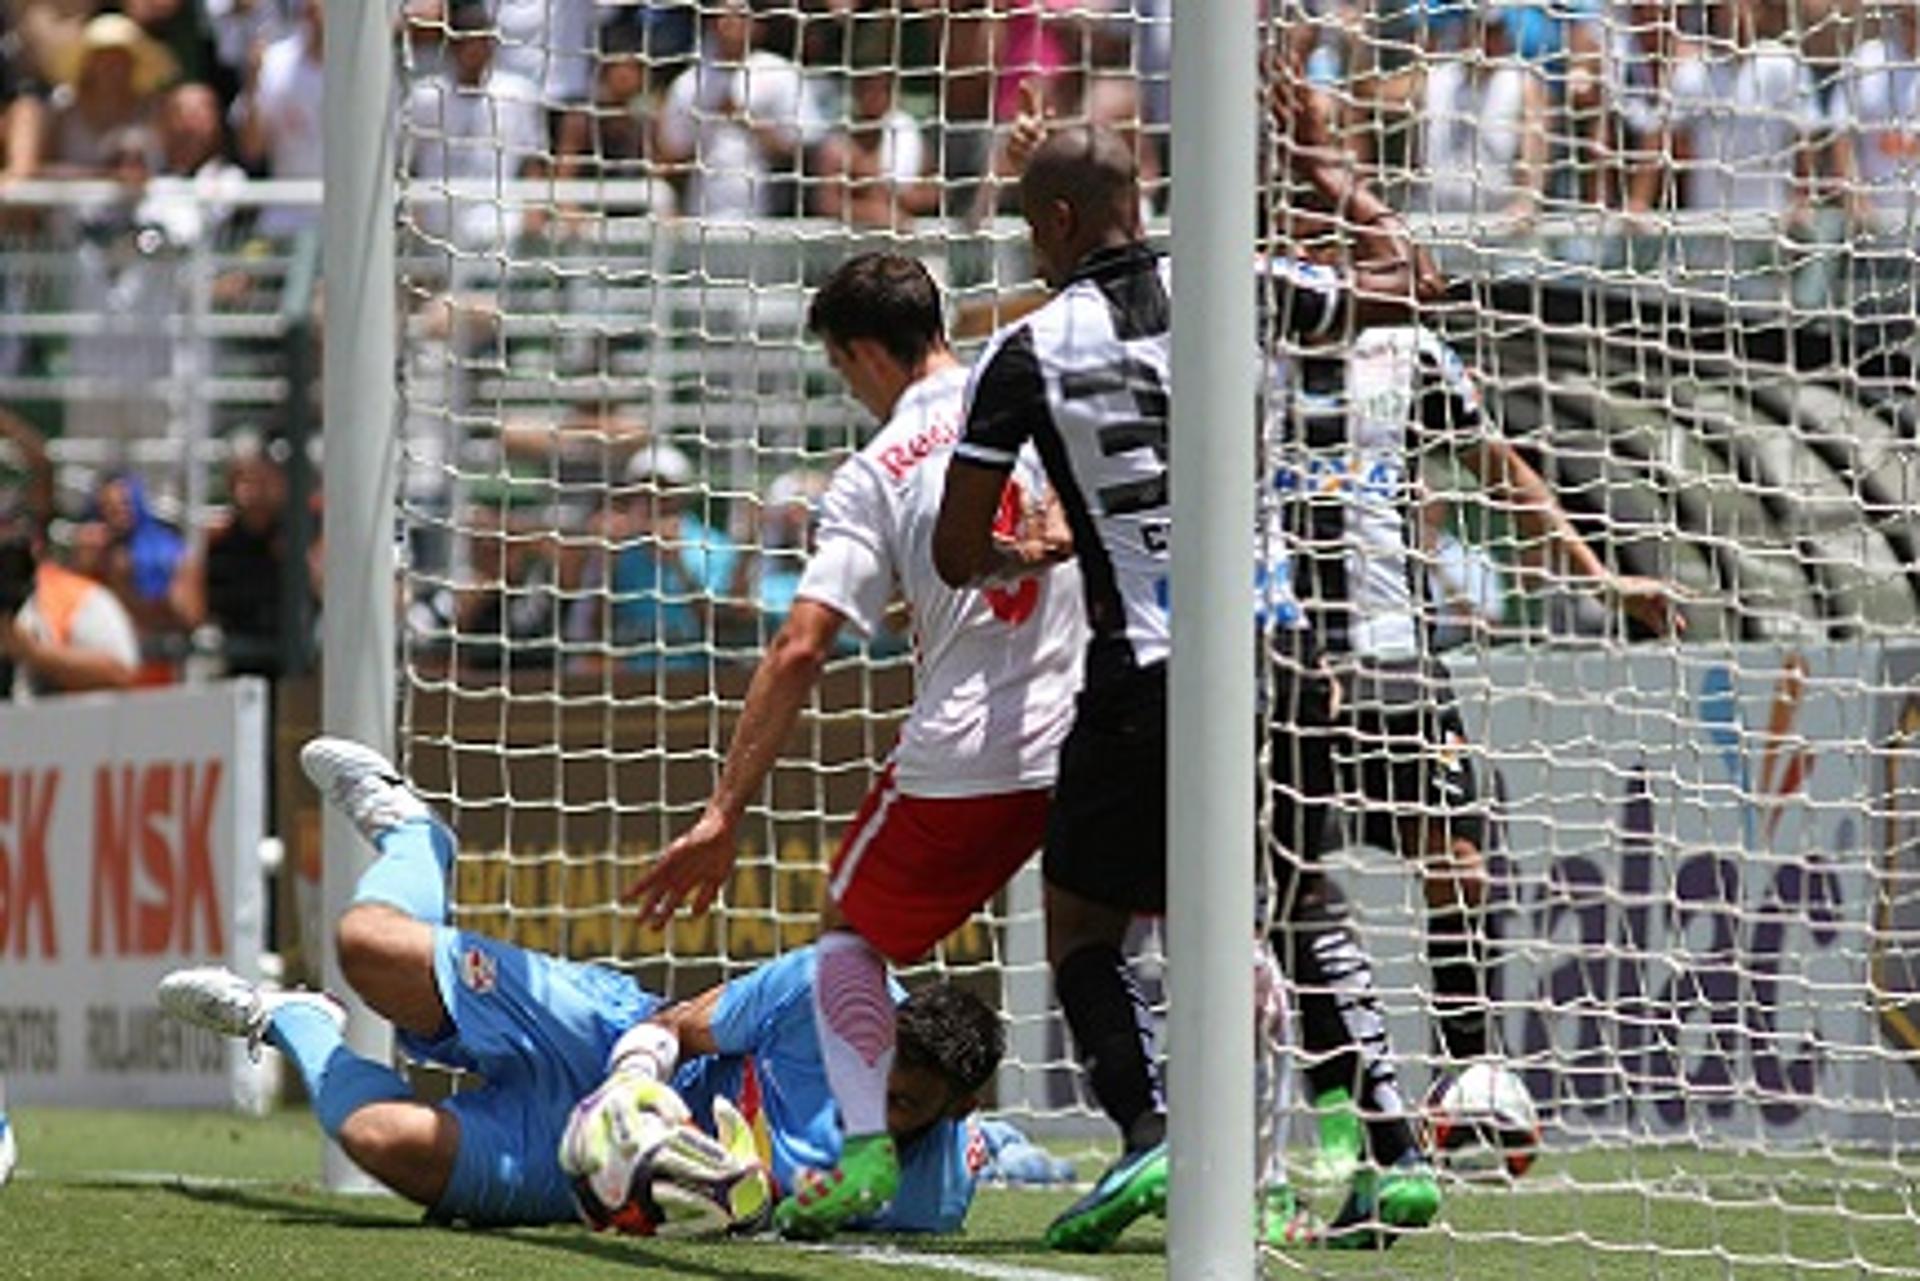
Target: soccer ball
[
  {"x": 642, "y": 1167},
  {"x": 1482, "y": 1124}
]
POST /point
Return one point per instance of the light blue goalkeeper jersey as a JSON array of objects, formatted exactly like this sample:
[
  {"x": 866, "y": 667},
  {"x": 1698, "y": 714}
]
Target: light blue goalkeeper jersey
[{"x": 770, "y": 1063}]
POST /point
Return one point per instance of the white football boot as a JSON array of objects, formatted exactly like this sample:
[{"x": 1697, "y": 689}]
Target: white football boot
[
  {"x": 221, "y": 1001},
  {"x": 362, "y": 784}
]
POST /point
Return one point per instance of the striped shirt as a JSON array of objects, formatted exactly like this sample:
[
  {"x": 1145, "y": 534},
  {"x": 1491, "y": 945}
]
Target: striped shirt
[
  {"x": 1341, "y": 507},
  {"x": 1086, "y": 379}
]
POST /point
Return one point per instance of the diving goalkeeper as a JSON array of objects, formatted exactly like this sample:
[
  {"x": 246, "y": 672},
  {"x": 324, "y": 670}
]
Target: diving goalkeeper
[{"x": 544, "y": 1032}]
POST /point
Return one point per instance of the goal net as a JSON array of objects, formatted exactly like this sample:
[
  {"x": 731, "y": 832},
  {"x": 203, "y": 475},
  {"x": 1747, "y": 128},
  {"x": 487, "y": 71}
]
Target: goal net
[{"x": 1681, "y": 245}]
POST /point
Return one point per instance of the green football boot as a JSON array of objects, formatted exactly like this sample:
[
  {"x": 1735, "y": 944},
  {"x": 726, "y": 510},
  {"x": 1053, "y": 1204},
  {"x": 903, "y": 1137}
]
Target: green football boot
[
  {"x": 1134, "y": 1185},
  {"x": 1286, "y": 1224},
  {"x": 1383, "y": 1204},
  {"x": 856, "y": 1188}
]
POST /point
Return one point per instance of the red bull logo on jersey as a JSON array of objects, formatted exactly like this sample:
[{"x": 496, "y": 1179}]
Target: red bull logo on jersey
[{"x": 902, "y": 458}]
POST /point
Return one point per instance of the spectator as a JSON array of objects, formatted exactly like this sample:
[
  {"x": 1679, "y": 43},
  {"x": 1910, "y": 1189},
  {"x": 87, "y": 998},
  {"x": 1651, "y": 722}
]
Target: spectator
[
  {"x": 1876, "y": 113},
  {"x": 243, "y": 29},
  {"x": 873, "y": 170},
  {"x": 279, "y": 115},
  {"x": 137, "y": 555},
  {"x": 731, "y": 125},
  {"x": 768, "y": 576},
  {"x": 182, "y": 29},
  {"x": 668, "y": 568},
  {"x": 1483, "y": 134},
  {"x": 474, "y": 123},
  {"x": 506, "y": 613},
  {"x": 235, "y": 582},
  {"x": 611, "y": 136},
  {"x": 1637, "y": 88},
  {"x": 62, "y": 632},
  {"x": 26, "y": 472},
  {"x": 108, "y": 84},
  {"x": 551, "y": 44},
  {"x": 23, "y": 112},
  {"x": 1745, "y": 117},
  {"x": 182, "y": 198}
]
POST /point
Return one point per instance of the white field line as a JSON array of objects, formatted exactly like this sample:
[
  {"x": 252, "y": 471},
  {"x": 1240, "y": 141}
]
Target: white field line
[{"x": 890, "y": 1256}]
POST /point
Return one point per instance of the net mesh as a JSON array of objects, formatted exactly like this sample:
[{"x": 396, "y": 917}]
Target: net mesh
[{"x": 1681, "y": 244}]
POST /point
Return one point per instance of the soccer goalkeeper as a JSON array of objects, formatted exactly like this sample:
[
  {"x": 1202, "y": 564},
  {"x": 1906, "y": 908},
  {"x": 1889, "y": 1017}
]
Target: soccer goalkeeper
[{"x": 544, "y": 1031}]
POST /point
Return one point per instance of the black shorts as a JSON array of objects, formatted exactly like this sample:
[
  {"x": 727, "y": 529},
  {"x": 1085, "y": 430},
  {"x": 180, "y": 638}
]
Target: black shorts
[
  {"x": 1406, "y": 779},
  {"x": 1107, "y": 830}
]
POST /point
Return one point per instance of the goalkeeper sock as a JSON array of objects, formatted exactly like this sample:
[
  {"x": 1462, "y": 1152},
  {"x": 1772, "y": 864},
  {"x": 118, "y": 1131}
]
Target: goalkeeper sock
[
  {"x": 1343, "y": 1032},
  {"x": 416, "y": 857},
  {"x": 853, "y": 1012},
  {"x": 339, "y": 1082},
  {"x": 1105, "y": 1011},
  {"x": 1456, "y": 953}
]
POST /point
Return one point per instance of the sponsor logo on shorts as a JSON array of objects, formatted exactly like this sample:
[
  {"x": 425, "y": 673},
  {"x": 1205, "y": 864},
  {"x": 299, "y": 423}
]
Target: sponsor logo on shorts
[{"x": 478, "y": 969}]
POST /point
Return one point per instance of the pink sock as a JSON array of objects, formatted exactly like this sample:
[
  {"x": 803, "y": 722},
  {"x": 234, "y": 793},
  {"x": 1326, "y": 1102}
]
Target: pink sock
[{"x": 854, "y": 1014}]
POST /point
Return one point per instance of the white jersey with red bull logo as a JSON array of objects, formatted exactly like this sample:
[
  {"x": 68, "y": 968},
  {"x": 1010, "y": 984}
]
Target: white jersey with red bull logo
[{"x": 996, "y": 671}]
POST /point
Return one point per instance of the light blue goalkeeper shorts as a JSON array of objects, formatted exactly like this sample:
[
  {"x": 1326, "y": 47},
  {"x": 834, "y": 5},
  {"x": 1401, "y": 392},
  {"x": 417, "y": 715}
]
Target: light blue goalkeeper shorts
[{"x": 538, "y": 1029}]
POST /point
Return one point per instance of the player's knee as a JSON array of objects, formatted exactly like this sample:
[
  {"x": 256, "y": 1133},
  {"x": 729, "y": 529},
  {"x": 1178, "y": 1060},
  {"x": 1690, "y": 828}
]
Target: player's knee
[
  {"x": 408, "y": 1147},
  {"x": 367, "y": 941}
]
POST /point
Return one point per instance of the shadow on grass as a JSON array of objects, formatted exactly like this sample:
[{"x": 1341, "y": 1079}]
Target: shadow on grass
[{"x": 627, "y": 1252}]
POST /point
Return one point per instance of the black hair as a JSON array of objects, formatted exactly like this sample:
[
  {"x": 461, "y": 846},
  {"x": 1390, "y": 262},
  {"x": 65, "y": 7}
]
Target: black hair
[
  {"x": 953, "y": 1032},
  {"x": 1091, "y": 167},
  {"x": 888, "y": 298},
  {"x": 469, "y": 18}
]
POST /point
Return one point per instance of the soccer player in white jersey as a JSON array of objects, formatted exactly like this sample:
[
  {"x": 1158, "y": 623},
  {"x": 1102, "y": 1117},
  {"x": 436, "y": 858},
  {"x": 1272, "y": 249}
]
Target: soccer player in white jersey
[
  {"x": 1084, "y": 380},
  {"x": 962, "y": 802},
  {"x": 1349, "y": 426}
]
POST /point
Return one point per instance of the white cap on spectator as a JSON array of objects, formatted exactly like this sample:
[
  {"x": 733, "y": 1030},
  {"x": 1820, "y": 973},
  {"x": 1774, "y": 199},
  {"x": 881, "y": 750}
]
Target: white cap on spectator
[
  {"x": 153, "y": 66},
  {"x": 660, "y": 462}
]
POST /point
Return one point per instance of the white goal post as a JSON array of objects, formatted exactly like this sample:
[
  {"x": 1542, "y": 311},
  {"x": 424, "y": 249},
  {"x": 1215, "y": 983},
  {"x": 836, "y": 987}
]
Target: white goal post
[{"x": 1705, "y": 896}]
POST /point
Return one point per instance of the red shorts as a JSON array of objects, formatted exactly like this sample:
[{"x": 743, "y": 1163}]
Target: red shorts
[{"x": 912, "y": 869}]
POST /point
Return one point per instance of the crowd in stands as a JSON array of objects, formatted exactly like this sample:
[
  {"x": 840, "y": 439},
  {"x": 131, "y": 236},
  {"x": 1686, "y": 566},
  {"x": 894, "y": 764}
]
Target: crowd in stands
[
  {"x": 880, "y": 112},
  {"x": 602, "y": 545}
]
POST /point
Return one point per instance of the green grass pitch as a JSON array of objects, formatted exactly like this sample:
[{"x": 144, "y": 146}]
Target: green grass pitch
[{"x": 115, "y": 1196}]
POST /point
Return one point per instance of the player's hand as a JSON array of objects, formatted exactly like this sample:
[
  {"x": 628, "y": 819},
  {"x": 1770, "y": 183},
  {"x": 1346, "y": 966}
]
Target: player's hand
[
  {"x": 695, "y": 868},
  {"x": 1651, "y": 603},
  {"x": 1029, "y": 127},
  {"x": 1045, "y": 537}
]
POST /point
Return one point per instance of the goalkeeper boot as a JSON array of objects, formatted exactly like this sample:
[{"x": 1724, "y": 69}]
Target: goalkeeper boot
[
  {"x": 1342, "y": 1143},
  {"x": 856, "y": 1188},
  {"x": 1286, "y": 1223},
  {"x": 221, "y": 1001},
  {"x": 1134, "y": 1185},
  {"x": 363, "y": 785},
  {"x": 1383, "y": 1204}
]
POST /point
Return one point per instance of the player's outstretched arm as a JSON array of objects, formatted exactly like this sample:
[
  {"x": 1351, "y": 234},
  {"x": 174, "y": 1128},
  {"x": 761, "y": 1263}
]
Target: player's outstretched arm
[
  {"x": 1499, "y": 467},
  {"x": 699, "y": 862}
]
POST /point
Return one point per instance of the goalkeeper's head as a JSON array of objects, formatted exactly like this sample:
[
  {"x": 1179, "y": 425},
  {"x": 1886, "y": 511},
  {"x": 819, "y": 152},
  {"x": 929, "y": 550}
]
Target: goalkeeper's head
[{"x": 947, "y": 1047}]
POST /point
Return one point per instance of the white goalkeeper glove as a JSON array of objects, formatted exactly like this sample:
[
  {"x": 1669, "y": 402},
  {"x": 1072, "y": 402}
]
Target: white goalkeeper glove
[{"x": 694, "y": 1183}]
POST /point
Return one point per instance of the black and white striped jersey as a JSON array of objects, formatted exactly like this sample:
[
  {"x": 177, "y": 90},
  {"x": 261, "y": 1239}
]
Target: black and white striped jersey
[
  {"x": 1086, "y": 379},
  {"x": 1346, "y": 428}
]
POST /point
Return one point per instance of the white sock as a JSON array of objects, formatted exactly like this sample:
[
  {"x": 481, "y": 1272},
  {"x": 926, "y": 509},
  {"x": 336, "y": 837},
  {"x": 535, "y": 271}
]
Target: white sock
[{"x": 854, "y": 1014}]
